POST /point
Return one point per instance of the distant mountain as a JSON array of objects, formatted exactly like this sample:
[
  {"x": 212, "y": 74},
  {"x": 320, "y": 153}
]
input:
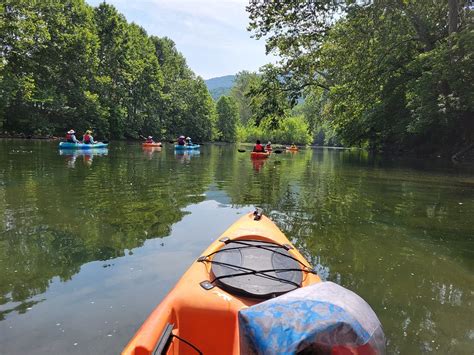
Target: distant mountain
[{"x": 220, "y": 86}]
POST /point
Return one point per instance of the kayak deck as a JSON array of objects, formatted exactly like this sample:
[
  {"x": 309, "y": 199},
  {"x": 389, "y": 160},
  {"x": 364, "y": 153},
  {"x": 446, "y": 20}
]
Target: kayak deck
[
  {"x": 199, "y": 310},
  {"x": 151, "y": 144},
  {"x": 259, "y": 155},
  {"x": 185, "y": 147},
  {"x": 68, "y": 145}
]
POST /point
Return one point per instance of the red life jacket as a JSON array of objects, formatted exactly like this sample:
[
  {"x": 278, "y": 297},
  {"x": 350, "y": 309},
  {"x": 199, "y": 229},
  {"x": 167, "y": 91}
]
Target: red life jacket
[
  {"x": 69, "y": 137},
  {"x": 86, "y": 138},
  {"x": 258, "y": 148},
  {"x": 149, "y": 141}
]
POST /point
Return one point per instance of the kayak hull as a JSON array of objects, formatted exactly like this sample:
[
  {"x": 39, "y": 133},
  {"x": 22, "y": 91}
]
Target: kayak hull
[
  {"x": 259, "y": 155},
  {"x": 198, "y": 314},
  {"x": 67, "y": 145},
  {"x": 151, "y": 144},
  {"x": 186, "y": 147}
]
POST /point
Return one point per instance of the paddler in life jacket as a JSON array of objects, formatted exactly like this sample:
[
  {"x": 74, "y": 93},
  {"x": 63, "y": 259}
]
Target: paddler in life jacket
[
  {"x": 87, "y": 138},
  {"x": 149, "y": 140},
  {"x": 268, "y": 146},
  {"x": 181, "y": 140},
  {"x": 71, "y": 137},
  {"x": 258, "y": 147},
  {"x": 188, "y": 141}
]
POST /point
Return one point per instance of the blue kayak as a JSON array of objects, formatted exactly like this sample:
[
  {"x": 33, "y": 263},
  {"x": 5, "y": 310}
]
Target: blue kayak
[
  {"x": 67, "y": 145},
  {"x": 186, "y": 147}
]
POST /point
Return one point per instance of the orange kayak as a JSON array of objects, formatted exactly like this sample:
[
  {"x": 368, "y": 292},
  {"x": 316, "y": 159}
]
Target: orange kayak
[
  {"x": 293, "y": 149},
  {"x": 259, "y": 155},
  {"x": 203, "y": 311},
  {"x": 151, "y": 144},
  {"x": 246, "y": 294}
]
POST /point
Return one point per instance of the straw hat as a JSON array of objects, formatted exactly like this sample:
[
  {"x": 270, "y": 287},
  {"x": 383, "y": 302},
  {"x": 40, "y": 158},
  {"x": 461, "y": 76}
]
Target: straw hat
[
  {"x": 71, "y": 131},
  {"x": 181, "y": 136},
  {"x": 150, "y": 137}
]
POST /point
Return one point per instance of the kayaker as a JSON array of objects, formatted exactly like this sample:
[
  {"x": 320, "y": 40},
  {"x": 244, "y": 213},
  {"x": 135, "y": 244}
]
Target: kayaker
[
  {"x": 149, "y": 140},
  {"x": 268, "y": 146},
  {"x": 71, "y": 137},
  {"x": 188, "y": 141},
  {"x": 258, "y": 147},
  {"x": 87, "y": 138},
  {"x": 181, "y": 140},
  {"x": 293, "y": 146}
]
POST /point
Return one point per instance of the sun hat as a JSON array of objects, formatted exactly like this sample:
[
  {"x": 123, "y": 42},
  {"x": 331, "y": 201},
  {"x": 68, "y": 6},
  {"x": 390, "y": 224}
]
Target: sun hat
[
  {"x": 188, "y": 137},
  {"x": 71, "y": 131},
  {"x": 150, "y": 137},
  {"x": 181, "y": 136}
]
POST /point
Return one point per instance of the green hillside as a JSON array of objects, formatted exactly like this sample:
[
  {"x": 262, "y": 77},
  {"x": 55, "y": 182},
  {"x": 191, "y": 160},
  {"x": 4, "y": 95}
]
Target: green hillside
[{"x": 220, "y": 86}]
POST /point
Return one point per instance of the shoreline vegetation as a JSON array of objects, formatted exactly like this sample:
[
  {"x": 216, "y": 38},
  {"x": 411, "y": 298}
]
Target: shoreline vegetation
[
  {"x": 401, "y": 85},
  {"x": 465, "y": 155}
]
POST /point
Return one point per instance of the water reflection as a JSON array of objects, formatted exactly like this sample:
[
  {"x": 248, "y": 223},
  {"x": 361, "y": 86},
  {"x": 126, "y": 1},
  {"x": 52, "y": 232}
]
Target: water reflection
[
  {"x": 257, "y": 164},
  {"x": 149, "y": 152},
  {"x": 186, "y": 155},
  {"x": 86, "y": 156},
  {"x": 399, "y": 236}
]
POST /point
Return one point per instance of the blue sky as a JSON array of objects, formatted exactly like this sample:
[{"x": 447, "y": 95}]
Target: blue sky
[{"x": 211, "y": 34}]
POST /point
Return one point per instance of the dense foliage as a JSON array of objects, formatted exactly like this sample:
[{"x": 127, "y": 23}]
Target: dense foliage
[
  {"x": 65, "y": 64},
  {"x": 265, "y": 110},
  {"x": 390, "y": 75},
  {"x": 227, "y": 118}
]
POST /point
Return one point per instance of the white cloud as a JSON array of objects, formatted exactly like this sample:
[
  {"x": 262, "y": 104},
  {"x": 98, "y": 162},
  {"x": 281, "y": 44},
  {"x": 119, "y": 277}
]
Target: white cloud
[{"x": 211, "y": 34}]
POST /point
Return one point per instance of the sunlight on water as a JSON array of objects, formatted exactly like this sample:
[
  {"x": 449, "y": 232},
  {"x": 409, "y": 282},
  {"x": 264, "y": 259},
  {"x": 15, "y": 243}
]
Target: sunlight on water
[{"x": 90, "y": 243}]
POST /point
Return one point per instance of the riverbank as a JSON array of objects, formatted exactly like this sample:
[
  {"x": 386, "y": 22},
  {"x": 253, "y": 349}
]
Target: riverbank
[{"x": 7, "y": 135}]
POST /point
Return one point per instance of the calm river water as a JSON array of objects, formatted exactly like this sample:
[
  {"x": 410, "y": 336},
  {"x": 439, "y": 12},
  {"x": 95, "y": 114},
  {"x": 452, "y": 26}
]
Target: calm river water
[{"x": 89, "y": 245}]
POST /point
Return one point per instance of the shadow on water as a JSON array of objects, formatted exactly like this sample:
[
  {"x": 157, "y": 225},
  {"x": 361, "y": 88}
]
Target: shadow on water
[{"x": 398, "y": 232}]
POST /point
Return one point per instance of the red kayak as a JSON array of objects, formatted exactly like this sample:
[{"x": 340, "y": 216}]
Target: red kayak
[
  {"x": 151, "y": 144},
  {"x": 259, "y": 155}
]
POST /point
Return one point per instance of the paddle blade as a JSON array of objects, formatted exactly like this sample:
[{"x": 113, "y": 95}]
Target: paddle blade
[
  {"x": 241, "y": 150},
  {"x": 277, "y": 151}
]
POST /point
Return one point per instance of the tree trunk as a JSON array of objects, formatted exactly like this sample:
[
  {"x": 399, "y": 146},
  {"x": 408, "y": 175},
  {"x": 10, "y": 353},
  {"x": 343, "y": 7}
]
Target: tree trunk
[{"x": 453, "y": 15}]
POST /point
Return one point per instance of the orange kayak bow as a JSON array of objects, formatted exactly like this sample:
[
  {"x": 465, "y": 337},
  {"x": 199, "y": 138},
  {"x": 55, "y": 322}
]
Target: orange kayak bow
[
  {"x": 252, "y": 292},
  {"x": 200, "y": 311}
]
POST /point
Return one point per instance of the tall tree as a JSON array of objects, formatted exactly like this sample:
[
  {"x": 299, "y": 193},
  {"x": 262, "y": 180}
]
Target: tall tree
[
  {"x": 227, "y": 118},
  {"x": 268, "y": 99},
  {"x": 396, "y": 74},
  {"x": 244, "y": 80}
]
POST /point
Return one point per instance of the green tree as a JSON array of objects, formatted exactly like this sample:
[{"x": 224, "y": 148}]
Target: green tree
[
  {"x": 49, "y": 55},
  {"x": 396, "y": 74},
  {"x": 244, "y": 80},
  {"x": 269, "y": 101},
  {"x": 227, "y": 119}
]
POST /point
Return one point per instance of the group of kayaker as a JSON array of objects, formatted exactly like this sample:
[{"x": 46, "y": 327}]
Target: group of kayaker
[
  {"x": 86, "y": 138},
  {"x": 259, "y": 148},
  {"x": 184, "y": 141}
]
